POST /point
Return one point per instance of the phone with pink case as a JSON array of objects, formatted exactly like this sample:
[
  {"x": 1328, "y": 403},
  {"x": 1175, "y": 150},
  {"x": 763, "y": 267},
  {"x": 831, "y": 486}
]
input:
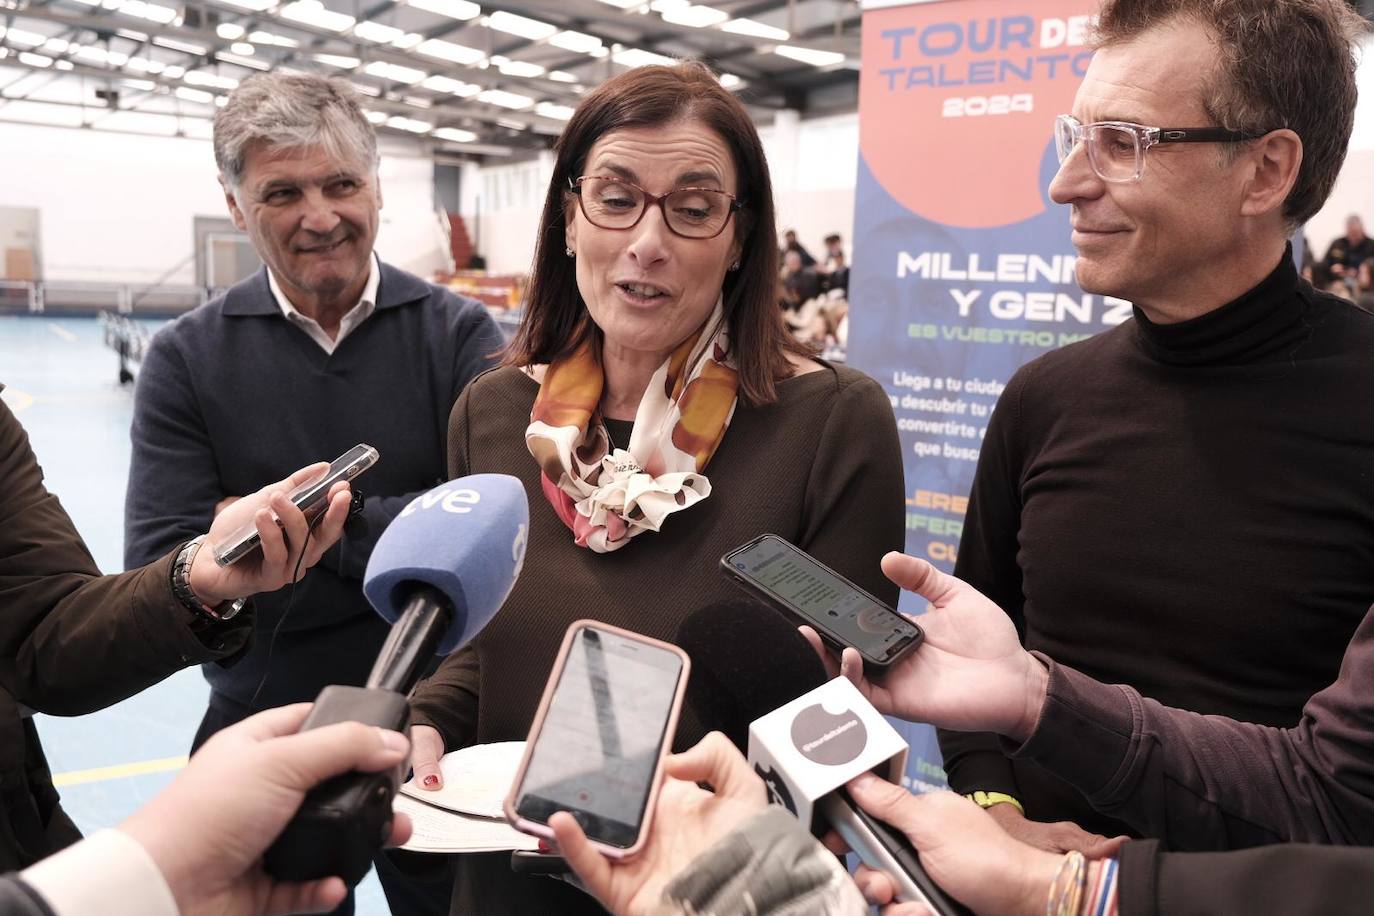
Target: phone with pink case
[{"x": 596, "y": 747}]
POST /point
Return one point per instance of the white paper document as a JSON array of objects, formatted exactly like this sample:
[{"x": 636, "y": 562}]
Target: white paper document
[
  {"x": 466, "y": 814},
  {"x": 437, "y": 830},
  {"x": 476, "y": 779}
]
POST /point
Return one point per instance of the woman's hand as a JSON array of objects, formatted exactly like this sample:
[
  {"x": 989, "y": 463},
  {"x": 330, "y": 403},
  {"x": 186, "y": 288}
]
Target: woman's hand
[
  {"x": 272, "y": 566},
  {"x": 970, "y": 673},
  {"x": 688, "y": 821},
  {"x": 426, "y": 748}
]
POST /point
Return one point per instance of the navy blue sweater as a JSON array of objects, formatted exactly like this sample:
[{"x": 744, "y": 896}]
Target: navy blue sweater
[{"x": 232, "y": 396}]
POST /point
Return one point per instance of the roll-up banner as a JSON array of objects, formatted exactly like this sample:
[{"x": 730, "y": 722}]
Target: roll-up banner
[{"x": 963, "y": 268}]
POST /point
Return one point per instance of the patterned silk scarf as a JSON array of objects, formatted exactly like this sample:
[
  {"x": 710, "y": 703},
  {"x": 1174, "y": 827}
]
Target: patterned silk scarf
[{"x": 609, "y": 495}]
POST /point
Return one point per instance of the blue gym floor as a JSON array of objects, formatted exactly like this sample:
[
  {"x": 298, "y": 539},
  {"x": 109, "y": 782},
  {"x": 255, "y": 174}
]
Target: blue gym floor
[{"x": 62, "y": 383}]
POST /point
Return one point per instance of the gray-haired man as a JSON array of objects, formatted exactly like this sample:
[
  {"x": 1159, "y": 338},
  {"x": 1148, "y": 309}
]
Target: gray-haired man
[{"x": 324, "y": 348}]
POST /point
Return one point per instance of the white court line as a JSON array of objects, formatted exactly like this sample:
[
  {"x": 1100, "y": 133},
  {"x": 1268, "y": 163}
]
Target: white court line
[{"x": 62, "y": 332}]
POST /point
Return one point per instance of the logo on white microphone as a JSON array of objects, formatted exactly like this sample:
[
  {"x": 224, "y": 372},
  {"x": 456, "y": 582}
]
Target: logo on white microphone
[{"x": 827, "y": 738}]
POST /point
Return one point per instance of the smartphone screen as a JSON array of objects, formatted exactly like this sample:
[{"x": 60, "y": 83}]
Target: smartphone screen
[
  {"x": 600, "y": 741},
  {"x": 829, "y": 602}
]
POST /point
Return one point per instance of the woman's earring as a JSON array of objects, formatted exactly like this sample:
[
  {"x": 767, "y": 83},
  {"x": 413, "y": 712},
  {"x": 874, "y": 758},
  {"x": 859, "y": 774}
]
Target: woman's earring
[
  {"x": 735, "y": 266},
  {"x": 570, "y": 252}
]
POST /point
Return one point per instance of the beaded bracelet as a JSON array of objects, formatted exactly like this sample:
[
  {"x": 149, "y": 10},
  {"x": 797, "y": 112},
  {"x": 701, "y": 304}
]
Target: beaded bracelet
[
  {"x": 1066, "y": 890},
  {"x": 1103, "y": 899}
]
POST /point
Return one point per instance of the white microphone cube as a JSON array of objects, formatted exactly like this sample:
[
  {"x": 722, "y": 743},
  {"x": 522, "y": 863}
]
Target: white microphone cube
[{"x": 820, "y": 741}]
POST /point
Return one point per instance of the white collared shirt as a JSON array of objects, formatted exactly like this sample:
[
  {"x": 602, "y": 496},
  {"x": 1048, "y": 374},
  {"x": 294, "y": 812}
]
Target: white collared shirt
[
  {"x": 351, "y": 319},
  {"x": 109, "y": 872}
]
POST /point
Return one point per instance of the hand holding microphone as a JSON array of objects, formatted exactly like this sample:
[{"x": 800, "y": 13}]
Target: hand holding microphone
[
  {"x": 440, "y": 572},
  {"x": 207, "y": 842},
  {"x": 806, "y": 735},
  {"x": 961, "y": 847},
  {"x": 970, "y": 674}
]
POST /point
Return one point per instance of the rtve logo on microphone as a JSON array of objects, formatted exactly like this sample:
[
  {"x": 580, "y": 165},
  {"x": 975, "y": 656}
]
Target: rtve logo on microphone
[{"x": 459, "y": 501}]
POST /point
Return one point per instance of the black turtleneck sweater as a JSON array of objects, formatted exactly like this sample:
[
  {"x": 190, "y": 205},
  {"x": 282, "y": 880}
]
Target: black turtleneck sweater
[{"x": 1185, "y": 508}]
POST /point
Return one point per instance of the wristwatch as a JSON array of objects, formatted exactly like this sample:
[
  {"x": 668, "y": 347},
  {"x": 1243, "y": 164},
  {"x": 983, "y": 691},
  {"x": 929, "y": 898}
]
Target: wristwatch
[
  {"x": 988, "y": 799},
  {"x": 181, "y": 586}
]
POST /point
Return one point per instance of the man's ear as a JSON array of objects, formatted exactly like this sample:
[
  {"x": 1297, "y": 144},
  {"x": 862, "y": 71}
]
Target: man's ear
[
  {"x": 240, "y": 223},
  {"x": 1274, "y": 164}
]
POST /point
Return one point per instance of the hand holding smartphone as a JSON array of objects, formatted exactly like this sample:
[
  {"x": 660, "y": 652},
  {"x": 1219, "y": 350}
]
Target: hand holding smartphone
[
  {"x": 843, "y": 614},
  {"x": 311, "y": 498},
  {"x": 597, "y": 744}
]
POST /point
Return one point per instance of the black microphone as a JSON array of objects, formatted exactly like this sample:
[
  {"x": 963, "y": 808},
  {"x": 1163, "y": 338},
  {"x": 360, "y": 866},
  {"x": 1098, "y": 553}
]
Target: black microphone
[
  {"x": 440, "y": 572},
  {"x": 747, "y": 660}
]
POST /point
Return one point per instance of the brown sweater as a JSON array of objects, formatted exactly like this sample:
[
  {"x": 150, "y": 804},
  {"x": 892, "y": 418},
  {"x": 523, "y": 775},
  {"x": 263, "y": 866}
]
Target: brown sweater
[
  {"x": 821, "y": 467},
  {"x": 72, "y": 641}
]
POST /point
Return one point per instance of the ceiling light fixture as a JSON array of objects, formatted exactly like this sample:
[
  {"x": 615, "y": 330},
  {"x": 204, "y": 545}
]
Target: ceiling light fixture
[
  {"x": 523, "y": 26},
  {"x": 461, "y": 10},
  {"x": 755, "y": 30},
  {"x": 696, "y": 17},
  {"x": 313, "y": 12},
  {"x": 577, "y": 42},
  {"x": 505, "y": 99},
  {"x": 810, "y": 55},
  {"x": 447, "y": 50},
  {"x": 375, "y": 31},
  {"x": 455, "y": 135}
]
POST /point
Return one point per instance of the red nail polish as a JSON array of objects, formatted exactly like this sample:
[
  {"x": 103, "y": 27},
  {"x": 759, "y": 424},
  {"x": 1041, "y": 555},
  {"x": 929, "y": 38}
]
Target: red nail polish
[
  {"x": 431, "y": 780},
  {"x": 544, "y": 846}
]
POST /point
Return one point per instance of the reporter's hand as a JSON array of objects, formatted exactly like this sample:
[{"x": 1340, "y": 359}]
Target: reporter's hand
[
  {"x": 270, "y": 567},
  {"x": 207, "y": 831},
  {"x": 1056, "y": 836},
  {"x": 688, "y": 820},
  {"x": 426, "y": 748},
  {"x": 961, "y": 848},
  {"x": 969, "y": 674}
]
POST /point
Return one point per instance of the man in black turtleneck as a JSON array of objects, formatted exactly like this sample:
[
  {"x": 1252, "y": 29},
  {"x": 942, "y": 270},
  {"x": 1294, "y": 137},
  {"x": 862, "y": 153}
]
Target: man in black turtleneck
[{"x": 1185, "y": 503}]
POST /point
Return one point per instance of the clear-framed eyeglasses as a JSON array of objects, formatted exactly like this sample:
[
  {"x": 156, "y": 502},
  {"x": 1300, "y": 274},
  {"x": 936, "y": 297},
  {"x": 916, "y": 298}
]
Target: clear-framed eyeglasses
[
  {"x": 1116, "y": 149},
  {"x": 609, "y": 202}
]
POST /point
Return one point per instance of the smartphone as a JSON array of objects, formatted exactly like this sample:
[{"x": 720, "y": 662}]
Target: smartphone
[
  {"x": 596, "y": 747},
  {"x": 311, "y": 497},
  {"x": 842, "y": 613}
]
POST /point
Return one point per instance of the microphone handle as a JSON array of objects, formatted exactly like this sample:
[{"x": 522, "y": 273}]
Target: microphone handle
[
  {"x": 880, "y": 846},
  {"x": 413, "y": 639}
]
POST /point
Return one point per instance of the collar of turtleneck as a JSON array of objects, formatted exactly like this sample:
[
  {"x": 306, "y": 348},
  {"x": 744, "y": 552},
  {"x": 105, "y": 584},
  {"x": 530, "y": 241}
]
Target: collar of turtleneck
[{"x": 1269, "y": 318}]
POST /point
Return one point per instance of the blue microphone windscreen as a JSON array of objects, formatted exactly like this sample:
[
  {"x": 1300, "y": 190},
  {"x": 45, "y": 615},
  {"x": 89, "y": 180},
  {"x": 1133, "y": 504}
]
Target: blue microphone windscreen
[{"x": 466, "y": 538}]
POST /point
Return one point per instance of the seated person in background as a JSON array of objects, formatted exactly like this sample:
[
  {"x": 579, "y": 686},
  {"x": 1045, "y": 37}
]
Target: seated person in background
[
  {"x": 73, "y": 641},
  {"x": 790, "y": 243},
  {"x": 1346, "y": 253},
  {"x": 1364, "y": 285},
  {"x": 657, "y": 413},
  {"x": 800, "y": 284},
  {"x": 1183, "y": 503},
  {"x": 836, "y": 268}
]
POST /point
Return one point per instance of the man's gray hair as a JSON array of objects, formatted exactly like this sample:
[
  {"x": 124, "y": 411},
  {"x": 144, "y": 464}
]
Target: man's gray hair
[{"x": 292, "y": 111}]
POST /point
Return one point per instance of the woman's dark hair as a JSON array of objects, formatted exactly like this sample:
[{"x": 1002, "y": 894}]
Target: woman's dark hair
[{"x": 556, "y": 319}]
